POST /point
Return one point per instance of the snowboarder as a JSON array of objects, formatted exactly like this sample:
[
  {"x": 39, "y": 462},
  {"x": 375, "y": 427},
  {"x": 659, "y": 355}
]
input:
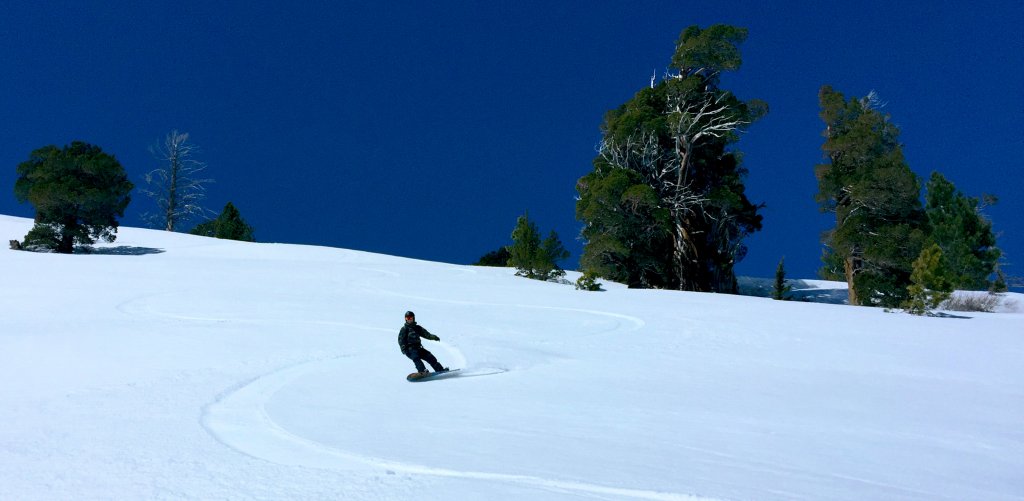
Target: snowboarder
[{"x": 409, "y": 340}]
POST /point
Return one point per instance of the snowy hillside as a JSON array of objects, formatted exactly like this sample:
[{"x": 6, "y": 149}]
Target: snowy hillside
[{"x": 168, "y": 366}]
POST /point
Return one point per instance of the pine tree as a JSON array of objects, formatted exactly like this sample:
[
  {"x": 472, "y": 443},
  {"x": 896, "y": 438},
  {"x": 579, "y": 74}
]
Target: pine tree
[
  {"x": 999, "y": 285},
  {"x": 551, "y": 252},
  {"x": 880, "y": 224},
  {"x": 964, "y": 234},
  {"x": 525, "y": 246},
  {"x": 78, "y": 192},
  {"x": 665, "y": 205},
  {"x": 532, "y": 257},
  {"x": 498, "y": 258},
  {"x": 930, "y": 283},
  {"x": 628, "y": 233},
  {"x": 229, "y": 225},
  {"x": 781, "y": 289}
]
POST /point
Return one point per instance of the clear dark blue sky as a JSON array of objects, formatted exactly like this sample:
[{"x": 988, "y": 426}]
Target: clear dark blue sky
[{"x": 424, "y": 129}]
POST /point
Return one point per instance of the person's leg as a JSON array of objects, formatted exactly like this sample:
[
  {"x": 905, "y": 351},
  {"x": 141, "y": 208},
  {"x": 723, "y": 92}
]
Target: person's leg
[
  {"x": 432, "y": 360},
  {"x": 415, "y": 356}
]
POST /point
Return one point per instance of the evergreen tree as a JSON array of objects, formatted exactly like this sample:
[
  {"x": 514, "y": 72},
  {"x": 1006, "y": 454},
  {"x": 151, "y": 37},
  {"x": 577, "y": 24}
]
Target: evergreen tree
[
  {"x": 930, "y": 282},
  {"x": 551, "y": 252},
  {"x": 964, "y": 234},
  {"x": 78, "y": 192},
  {"x": 498, "y": 258},
  {"x": 880, "y": 224},
  {"x": 665, "y": 205},
  {"x": 229, "y": 225},
  {"x": 532, "y": 257},
  {"x": 205, "y": 229},
  {"x": 628, "y": 233},
  {"x": 781, "y": 288},
  {"x": 833, "y": 266},
  {"x": 1000, "y": 285},
  {"x": 525, "y": 246},
  {"x": 588, "y": 282}
]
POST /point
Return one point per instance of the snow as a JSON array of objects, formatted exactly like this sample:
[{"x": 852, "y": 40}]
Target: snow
[{"x": 168, "y": 366}]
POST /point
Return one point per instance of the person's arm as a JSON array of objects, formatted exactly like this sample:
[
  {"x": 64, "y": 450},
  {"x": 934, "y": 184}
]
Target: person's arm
[
  {"x": 403, "y": 340},
  {"x": 424, "y": 333}
]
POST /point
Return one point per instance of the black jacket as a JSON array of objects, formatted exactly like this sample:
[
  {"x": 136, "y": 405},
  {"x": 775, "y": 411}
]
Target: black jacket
[{"x": 409, "y": 337}]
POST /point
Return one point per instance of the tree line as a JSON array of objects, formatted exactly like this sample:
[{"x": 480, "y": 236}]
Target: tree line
[
  {"x": 79, "y": 192},
  {"x": 665, "y": 204},
  {"x": 886, "y": 243}
]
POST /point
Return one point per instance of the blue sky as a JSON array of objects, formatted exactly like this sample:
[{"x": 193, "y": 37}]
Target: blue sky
[{"x": 423, "y": 129}]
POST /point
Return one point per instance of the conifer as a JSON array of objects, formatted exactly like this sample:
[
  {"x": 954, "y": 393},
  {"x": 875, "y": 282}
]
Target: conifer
[
  {"x": 930, "y": 283},
  {"x": 781, "y": 289}
]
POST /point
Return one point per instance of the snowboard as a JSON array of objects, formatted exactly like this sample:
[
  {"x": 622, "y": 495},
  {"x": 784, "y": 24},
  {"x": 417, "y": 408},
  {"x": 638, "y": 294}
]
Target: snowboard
[{"x": 416, "y": 376}]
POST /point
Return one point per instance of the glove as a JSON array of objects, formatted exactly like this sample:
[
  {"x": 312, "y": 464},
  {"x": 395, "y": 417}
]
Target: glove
[{"x": 434, "y": 338}]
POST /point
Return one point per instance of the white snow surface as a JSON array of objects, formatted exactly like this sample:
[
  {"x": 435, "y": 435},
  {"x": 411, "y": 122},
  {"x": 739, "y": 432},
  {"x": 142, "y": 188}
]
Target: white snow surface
[{"x": 170, "y": 366}]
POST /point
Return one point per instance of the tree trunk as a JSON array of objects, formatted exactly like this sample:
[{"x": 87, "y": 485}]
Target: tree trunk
[
  {"x": 172, "y": 195},
  {"x": 67, "y": 244},
  {"x": 849, "y": 264},
  {"x": 684, "y": 252}
]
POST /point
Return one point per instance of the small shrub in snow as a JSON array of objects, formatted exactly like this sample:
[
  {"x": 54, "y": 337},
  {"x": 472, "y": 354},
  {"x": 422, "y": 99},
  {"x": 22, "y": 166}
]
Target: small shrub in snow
[
  {"x": 588, "y": 282},
  {"x": 972, "y": 301}
]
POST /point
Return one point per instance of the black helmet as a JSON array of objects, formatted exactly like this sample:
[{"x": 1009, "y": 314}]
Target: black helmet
[{"x": 410, "y": 314}]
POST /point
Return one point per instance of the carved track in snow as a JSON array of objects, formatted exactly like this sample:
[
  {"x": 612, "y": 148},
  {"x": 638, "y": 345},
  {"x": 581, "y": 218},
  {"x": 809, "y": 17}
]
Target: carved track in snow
[{"x": 238, "y": 419}]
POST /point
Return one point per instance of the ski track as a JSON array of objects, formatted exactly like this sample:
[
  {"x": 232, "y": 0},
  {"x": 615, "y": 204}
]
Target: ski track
[
  {"x": 238, "y": 419},
  {"x": 637, "y": 323}
]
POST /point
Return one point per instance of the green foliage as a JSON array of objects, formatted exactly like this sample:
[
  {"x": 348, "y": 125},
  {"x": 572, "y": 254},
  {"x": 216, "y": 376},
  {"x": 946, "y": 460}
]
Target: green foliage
[
  {"x": 532, "y": 257},
  {"x": 497, "y": 258},
  {"x": 588, "y": 282},
  {"x": 930, "y": 282},
  {"x": 713, "y": 49},
  {"x": 525, "y": 246},
  {"x": 781, "y": 289},
  {"x": 205, "y": 229},
  {"x": 229, "y": 225},
  {"x": 964, "y": 234},
  {"x": 78, "y": 192},
  {"x": 999, "y": 285},
  {"x": 886, "y": 261},
  {"x": 42, "y": 237},
  {"x": 832, "y": 266},
  {"x": 551, "y": 252},
  {"x": 628, "y": 233},
  {"x": 880, "y": 224},
  {"x": 665, "y": 206}
]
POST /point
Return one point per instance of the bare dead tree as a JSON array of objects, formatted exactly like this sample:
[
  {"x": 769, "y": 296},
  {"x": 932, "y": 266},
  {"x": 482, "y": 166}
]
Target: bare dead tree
[
  {"x": 639, "y": 153},
  {"x": 176, "y": 186}
]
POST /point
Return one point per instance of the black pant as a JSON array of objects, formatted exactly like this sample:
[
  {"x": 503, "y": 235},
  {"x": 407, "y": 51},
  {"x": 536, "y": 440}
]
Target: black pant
[{"x": 418, "y": 355}]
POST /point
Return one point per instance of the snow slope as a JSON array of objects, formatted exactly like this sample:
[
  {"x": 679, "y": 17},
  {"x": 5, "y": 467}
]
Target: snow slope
[{"x": 167, "y": 366}]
